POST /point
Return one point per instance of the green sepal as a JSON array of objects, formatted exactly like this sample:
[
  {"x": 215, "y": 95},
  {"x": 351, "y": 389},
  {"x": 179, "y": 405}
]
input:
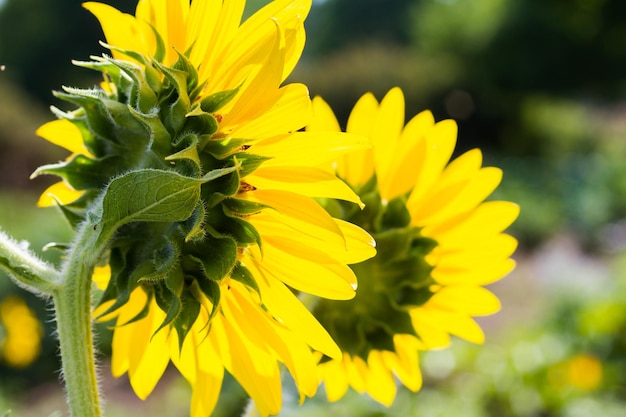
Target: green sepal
[
  {"x": 199, "y": 121},
  {"x": 216, "y": 101},
  {"x": 160, "y": 138},
  {"x": 395, "y": 215},
  {"x": 241, "y": 274},
  {"x": 186, "y": 317},
  {"x": 140, "y": 92},
  {"x": 239, "y": 229},
  {"x": 211, "y": 290},
  {"x": 164, "y": 260},
  {"x": 125, "y": 278},
  {"x": 95, "y": 113},
  {"x": 175, "y": 112},
  {"x": 249, "y": 162},
  {"x": 82, "y": 172},
  {"x": 393, "y": 244},
  {"x": 167, "y": 295},
  {"x": 193, "y": 228},
  {"x": 216, "y": 191},
  {"x": 240, "y": 207},
  {"x": 189, "y": 152},
  {"x": 223, "y": 148},
  {"x": 183, "y": 64},
  {"x": 102, "y": 65},
  {"x": 75, "y": 211},
  {"x": 216, "y": 257},
  {"x": 108, "y": 118}
]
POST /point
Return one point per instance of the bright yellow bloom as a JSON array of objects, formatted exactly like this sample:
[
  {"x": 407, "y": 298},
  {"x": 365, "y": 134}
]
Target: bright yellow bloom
[
  {"x": 226, "y": 301},
  {"x": 582, "y": 371},
  {"x": 20, "y": 333},
  {"x": 438, "y": 243}
]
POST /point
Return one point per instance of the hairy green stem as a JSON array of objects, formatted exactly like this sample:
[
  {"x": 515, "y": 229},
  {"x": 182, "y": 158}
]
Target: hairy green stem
[
  {"x": 72, "y": 302},
  {"x": 26, "y": 270}
]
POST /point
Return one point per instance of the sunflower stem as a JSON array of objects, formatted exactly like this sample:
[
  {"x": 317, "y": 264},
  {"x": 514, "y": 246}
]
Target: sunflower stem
[{"x": 72, "y": 302}]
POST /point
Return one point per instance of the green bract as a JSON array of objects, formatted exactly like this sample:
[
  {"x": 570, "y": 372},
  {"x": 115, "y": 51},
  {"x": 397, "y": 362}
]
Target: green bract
[
  {"x": 395, "y": 280},
  {"x": 160, "y": 185}
]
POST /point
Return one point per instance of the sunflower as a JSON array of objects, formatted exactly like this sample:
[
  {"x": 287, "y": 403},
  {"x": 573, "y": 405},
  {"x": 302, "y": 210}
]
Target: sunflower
[
  {"x": 193, "y": 96},
  {"x": 438, "y": 243}
]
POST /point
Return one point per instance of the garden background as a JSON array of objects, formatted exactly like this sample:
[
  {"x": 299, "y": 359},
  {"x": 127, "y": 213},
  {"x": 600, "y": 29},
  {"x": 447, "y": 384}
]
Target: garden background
[{"x": 539, "y": 85}]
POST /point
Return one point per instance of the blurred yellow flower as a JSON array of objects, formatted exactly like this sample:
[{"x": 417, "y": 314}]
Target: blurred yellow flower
[
  {"x": 438, "y": 243},
  {"x": 582, "y": 371},
  {"x": 20, "y": 333},
  {"x": 214, "y": 292}
]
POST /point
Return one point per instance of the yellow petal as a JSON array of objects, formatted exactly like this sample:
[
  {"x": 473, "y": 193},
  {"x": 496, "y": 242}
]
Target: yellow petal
[
  {"x": 249, "y": 363},
  {"x": 335, "y": 379},
  {"x": 483, "y": 275},
  {"x": 223, "y": 31},
  {"x": 438, "y": 146},
  {"x": 120, "y": 29},
  {"x": 356, "y": 370},
  {"x": 302, "y": 214},
  {"x": 404, "y": 362},
  {"x": 307, "y": 269},
  {"x": 291, "y": 350},
  {"x": 380, "y": 383},
  {"x": 201, "y": 24},
  {"x": 430, "y": 334},
  {"x": 289, "y": 311},
  {"x": 205, "y": 393},
  {"x": 58, "y": 193},
  {"x": 65, "y": 134},
  {"x": 401, "y": 174},
  {"x": 357, "y": 167},
  {"x": 290, "y": 112},
  {"x": 458, "y": 324},
  {"x": 360, "y": 245},
  {"x": 487, "y": 220},
  {"x": 324, "y": 119},
  {"x": 385, "y": 132},
  {"x": 312, "y": 182},
  {"x": 310, "y": 149},
  {"x": 468, "y": 299}
]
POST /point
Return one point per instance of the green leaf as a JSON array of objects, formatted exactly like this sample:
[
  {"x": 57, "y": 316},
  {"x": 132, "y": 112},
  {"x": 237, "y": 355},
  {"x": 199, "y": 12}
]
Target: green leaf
[{"x": 149, "y": 195}]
